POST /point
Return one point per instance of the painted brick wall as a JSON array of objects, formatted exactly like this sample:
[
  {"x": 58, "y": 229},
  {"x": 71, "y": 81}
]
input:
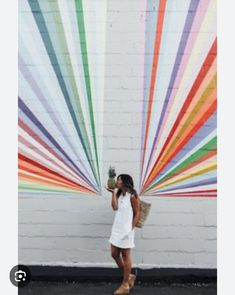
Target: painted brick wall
[{"x": 73, "y": 229}]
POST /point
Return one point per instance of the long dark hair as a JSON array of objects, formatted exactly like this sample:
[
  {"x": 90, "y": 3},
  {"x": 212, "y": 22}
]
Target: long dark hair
[{"x": 128, "y": 184}]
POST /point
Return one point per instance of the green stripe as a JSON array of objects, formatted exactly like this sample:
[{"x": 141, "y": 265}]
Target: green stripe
[
  {"x": 81, "y": 28},
  {"x": 39, "y": 18},
  {"x": 211, "y": 145},
  {"x": 45, "y": 189}
]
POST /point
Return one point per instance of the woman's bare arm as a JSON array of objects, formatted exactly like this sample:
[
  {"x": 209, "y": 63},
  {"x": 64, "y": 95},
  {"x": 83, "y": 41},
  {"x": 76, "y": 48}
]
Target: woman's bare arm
[
  {"x": 114, "y": 201},
  {"x": 135, "y": 201}
]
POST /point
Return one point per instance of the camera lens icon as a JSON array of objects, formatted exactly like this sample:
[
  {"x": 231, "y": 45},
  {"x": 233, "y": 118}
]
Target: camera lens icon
[{"x": 20, "y": 275}]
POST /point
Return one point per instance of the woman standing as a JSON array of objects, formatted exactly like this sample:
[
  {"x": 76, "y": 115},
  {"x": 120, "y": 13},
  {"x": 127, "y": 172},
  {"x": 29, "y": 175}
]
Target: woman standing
[{"x": 126, "y": 203}]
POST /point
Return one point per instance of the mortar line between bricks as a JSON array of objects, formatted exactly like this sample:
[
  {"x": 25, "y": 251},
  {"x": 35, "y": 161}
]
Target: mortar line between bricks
[
  {"x": 102, "y": 237},
  {"x": 87, "y": 224},
  {"x": 107, "y": 250}
]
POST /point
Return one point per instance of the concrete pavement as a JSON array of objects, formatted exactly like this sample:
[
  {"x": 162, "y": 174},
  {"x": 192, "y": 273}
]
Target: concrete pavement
[{"x": 89, "y": 288}]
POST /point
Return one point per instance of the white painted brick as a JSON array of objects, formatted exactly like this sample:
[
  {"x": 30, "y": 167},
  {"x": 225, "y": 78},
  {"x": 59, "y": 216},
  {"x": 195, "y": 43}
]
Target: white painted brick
[
  {"x": 119, "y": 143},
  {"x": 170, "y": 245},
  {"x": 206, "y": 259},
  {"x": 210, "y": 219},
  {"x": 65, "y": 217},
  {"x": 35, "y": 230},
  {"x": 71, "y": 229},
  {"x": 177, "y": 232},
  {"x": 64, "y": 243},
  {"x": 176, "y": 219},
  {"x": 122, "y": 154},
  {"x": 123, "y": 94},
  {"x": 168, "y": 258},
  {"x": 62, "y": 256}
]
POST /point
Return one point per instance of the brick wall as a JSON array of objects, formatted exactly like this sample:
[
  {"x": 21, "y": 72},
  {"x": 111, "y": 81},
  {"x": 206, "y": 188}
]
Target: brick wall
[{"x": 73, "y": 229}]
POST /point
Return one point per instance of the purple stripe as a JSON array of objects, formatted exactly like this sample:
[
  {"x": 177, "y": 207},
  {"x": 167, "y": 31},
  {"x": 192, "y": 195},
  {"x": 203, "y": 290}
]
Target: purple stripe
[
  {"x": 202, "y": 133},
  {"x": 191, "y": 185},
  {"x": 151, "y": 21},
  {"x": 28, "y": 76},
  {"x": 22, "y": 106},
  {"x": 184, "y": 38}
]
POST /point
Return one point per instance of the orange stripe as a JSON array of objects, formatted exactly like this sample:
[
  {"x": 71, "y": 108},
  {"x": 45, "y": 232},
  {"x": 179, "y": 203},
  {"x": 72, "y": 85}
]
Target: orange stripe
[
  {"x": 34, "y": 180},
  {"x": 205, "y": 68},
  {"x": 44, "y": 170},
  {"x": 191, "y": 120},
  {"x": 194, "y": 116},
  {"x": 203, "y": 119},
  {"x": 37, "y": 171},
  {"x": 160, "y": 19},
  {"x": 193, "y": 164}
]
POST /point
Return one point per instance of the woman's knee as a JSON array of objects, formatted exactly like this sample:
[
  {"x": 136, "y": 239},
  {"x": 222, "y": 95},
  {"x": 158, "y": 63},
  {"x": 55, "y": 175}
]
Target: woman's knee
[
  {"x": 115, "y": 254},
  {"x": 126, "y": 255}
]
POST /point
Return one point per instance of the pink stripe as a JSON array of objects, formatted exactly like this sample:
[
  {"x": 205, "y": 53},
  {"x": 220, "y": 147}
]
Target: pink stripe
[{"x": 192, "y": 37}]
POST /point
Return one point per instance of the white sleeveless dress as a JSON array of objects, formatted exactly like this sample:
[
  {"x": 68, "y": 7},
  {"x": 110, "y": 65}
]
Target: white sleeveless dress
[{"x": 122, "y": 234}]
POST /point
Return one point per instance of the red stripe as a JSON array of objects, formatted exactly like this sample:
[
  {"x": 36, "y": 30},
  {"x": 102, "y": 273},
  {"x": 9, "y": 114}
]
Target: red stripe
[
  {"x": 160, "y": 19},
  {"x": 32, "y": 162},
  {"x": 197, "y": 126},
  {"x": 28, "y": 130},
  {"x": 193, "y": 164},
  {"x": 186, "y": 196},
  {"x": 201, "y": 75}
]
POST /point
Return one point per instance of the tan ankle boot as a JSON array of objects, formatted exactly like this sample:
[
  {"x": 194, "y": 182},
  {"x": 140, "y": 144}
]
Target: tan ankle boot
[
  {"x": 122, "y": 290},
  {"x": 131, "y": 281}
]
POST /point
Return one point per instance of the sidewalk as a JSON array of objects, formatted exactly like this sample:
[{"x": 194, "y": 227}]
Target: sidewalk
[{"x": 72, "y": 288}]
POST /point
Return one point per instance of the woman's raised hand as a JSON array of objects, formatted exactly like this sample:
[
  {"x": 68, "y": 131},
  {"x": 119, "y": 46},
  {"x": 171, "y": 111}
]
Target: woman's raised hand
[{"x": 109, "y": 189}]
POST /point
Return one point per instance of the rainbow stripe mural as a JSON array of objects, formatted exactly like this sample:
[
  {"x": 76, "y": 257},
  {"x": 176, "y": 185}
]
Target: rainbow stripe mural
[
  {"x": 61, "y": 95},
  {"x": 179, "y": 111},
  {"x": 59, "y": 111}
]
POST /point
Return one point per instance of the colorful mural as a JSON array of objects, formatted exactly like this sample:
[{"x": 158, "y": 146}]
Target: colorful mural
[
  {"x": 179, "y": 112},
  {"x": 61, "y": 94},
  {"x": 59, "y": 149}
]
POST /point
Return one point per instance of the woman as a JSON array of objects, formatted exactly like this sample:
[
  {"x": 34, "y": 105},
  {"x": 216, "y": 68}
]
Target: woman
[{"x": 126, "y": 203}]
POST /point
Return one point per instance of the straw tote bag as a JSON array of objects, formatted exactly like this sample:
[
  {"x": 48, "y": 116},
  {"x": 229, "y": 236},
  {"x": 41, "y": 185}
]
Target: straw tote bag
[{"x": 144, "y": 212}]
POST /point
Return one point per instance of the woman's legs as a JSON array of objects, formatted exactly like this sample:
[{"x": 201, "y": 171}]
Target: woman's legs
[
  {"x": 126, "y": 256},
  {"x": 115, "y": 253}
]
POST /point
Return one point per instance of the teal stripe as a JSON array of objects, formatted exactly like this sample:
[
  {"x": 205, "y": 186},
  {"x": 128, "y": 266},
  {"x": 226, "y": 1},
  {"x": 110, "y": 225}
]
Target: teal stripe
[
  {"x": 38, "y": 16},
  {"x": 205, "y": 149},
  {"x": 81, "y": 28},
  {"x": 41, "y": 189}
]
